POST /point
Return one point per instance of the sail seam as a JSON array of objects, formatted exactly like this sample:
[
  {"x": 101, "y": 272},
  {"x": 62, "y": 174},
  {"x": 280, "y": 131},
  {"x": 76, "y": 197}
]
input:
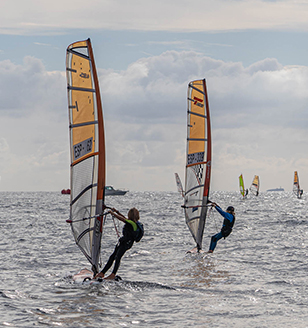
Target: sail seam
[
  {"x": 188, "y": 191},
  {"x": 84, "y": 158},
  {"x": 82, "y": 192},
  {"x": 84, "y": 233}
]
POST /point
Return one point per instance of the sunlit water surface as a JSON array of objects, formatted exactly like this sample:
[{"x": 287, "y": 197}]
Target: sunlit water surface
[{"x": 257, "y": 277}]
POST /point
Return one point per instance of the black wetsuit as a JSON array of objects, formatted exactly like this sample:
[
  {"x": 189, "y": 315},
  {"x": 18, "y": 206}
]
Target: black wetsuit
[{"x": 124, "y": 244}]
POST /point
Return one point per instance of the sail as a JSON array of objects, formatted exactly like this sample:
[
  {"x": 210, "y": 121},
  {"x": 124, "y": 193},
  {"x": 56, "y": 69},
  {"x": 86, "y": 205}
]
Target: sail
[
  {"x": 87, "y": 150},
  {"x": 179, "y": 184},
  {"x": 241, "y": 181},
  {"x": 255, "y": 185},
  {"x": 296, "y": 188},
  {"x": 198, "y": 159}
]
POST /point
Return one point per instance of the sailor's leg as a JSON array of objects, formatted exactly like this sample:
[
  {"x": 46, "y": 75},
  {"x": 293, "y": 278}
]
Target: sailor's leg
[
  {"x": 111, "y": 259},
  {"x": 120, "y": 252},
  {"x": 214, "y": 241}
]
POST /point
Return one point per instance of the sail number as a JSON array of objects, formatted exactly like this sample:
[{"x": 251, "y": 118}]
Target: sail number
[
  {"x": 83, "y": 148},
  {"x": 195, "y": 158}
]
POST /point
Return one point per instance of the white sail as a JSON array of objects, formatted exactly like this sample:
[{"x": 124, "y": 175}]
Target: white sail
[{"x": 179, "y": 184}]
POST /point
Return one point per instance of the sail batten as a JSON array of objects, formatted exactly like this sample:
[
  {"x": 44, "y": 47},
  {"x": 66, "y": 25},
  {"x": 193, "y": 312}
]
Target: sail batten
[
  {"x": 76, "y": 53},
  {"x": 198, "y": 159},
  {"x": 87, "y": 145},
  {"x": 80, "y": 89},
  {"x": 192, "y": 113}
]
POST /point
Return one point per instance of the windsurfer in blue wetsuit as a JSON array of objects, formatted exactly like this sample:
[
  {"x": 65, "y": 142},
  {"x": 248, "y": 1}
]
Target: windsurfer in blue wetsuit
[
  {"x": 125, "y": 242},
  {"x": 229, "y": 219}
]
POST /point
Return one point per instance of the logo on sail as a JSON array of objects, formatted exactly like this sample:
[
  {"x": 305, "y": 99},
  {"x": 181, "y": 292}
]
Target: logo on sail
[
  {"x": 84, "y": 75},
  {"x": 198, "y": 101}
]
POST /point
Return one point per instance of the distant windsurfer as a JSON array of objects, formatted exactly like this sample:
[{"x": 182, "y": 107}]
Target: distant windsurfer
[
  {"x": 229, "y": 219},
  {"x": 125, "y": 242}
]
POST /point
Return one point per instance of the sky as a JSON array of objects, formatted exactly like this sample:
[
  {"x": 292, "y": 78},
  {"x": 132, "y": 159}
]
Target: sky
[{"x": 253, "y": 55}]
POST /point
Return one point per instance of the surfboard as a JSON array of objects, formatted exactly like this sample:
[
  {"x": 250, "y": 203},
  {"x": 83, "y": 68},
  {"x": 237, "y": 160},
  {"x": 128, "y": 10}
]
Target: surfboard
[
  {"x": 195, "y": 251},
  {"x": 86, "y": 276},
  {"x": 82, "y": 275}
]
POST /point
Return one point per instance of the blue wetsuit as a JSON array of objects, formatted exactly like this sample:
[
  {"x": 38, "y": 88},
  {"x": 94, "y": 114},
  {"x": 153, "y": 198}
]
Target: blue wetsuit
[{"x": 226, "y": 229}]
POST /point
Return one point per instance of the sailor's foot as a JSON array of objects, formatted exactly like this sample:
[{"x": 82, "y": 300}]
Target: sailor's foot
[
  {"x": 99, "y": 275},
  {"x": 111, "y": 277},
  {"x": 210, "y": 251}
]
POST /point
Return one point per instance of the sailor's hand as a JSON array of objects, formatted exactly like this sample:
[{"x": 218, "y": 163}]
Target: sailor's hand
[{"x": 214, "y": 204}]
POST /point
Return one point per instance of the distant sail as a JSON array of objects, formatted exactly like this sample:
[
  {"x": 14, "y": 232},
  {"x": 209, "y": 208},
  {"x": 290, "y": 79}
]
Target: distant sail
[
  {"x": 242, "y": 188},
  {"x": 87, "y": 148},
  {"x": 198, "y": 160},
  {"x": 255, "y": 185},
  {"x": 296, "y": 187},
  {"x": 179, "y": 184}
]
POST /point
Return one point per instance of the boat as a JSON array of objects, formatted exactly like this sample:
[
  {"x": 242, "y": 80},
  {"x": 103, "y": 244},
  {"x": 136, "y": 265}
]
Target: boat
[
  {"x": 87, "y": 151},
  {"x": 242, "y": 188},
  {"x": 276, "y": 189},
  {"x": 66, "y": 191},
  {"x": 296, "y": 187},
  {"x": 255, "y": 186},
  {"x": 198, "y": 160},
  {"x": 110, "y": 191}
]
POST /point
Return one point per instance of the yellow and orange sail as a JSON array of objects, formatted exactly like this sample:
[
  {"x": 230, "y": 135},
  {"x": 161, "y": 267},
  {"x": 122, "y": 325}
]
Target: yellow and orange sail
[
  {"x": 198, "y": 160},
  {"x": 87, "y": 150}
]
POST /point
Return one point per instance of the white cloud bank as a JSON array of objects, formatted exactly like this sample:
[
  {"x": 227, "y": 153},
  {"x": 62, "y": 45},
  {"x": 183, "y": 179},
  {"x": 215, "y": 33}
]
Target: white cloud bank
[
  {"x": 259, "y": 123},
  {"x": 36, "y": 16}
]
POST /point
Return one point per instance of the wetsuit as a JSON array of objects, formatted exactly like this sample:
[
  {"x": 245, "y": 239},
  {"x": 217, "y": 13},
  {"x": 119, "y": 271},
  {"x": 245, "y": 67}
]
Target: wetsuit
[
  {"x": 124, "y": 244},
  {"x": 226, "y": 227}
]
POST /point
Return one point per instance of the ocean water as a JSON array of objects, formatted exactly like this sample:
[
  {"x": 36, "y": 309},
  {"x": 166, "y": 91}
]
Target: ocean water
[{"x": 257, "y": 277}]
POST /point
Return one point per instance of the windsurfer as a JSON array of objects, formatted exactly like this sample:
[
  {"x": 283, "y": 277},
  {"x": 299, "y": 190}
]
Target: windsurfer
[
  {"x": 124, "y": 243},
  {"x": 229, "y": 219}
]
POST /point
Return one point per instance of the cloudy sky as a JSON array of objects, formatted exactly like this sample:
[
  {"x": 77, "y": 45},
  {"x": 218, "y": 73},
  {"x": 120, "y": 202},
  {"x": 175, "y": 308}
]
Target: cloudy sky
[{"x": 253, "y": 54}]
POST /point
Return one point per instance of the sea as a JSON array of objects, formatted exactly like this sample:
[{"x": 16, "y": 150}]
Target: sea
[{"x": 257, "y": 277}]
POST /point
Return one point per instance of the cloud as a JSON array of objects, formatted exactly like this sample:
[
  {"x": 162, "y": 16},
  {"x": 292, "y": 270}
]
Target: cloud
[
  {"x": 20, "y": 17},
  {"x": 28, "y": 87},
  {"x": 258, "y": 113}
]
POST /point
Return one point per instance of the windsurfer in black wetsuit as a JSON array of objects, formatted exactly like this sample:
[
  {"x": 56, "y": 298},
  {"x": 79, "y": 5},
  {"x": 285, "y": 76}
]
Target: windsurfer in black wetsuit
[
  {"x": 229, "y": 219},
  {"x": 124, "y": 243}
]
